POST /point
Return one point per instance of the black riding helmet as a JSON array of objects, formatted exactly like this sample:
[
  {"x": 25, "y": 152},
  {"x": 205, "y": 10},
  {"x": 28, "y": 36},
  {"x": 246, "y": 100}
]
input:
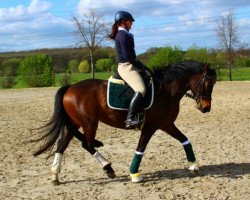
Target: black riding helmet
[{"x": 123, "y": 15}]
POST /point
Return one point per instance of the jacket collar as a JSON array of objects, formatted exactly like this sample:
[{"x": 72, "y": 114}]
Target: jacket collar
[{"x": 123, "y": 29}]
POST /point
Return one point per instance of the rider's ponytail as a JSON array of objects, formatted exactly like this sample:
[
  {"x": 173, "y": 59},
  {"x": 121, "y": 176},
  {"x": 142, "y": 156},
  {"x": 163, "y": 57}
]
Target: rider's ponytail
[{"x": 114, "y": 31}]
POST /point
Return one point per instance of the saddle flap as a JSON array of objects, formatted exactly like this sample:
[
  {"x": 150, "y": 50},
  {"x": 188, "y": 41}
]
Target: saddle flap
[{"x": 119, "y": 94}]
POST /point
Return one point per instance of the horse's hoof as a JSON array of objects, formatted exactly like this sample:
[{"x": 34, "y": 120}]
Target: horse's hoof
[
  {"x": 136, "y": 178},
  {"x": 111, "y": 175},
  {"x": 109, "y": 171},
  {"x": 193, "y": 168},
  {"x": 194, "y": 172},
  {"x": 55, "y": 183},
  {"x": 54, "y": 179}
]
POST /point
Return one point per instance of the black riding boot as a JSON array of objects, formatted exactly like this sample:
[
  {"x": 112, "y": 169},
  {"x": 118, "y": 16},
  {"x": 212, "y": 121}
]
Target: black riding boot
[{"x": 133, "y": 120}]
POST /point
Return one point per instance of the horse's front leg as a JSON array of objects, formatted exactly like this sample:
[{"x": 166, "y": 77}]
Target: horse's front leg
[
  {"x": 146, "y": 135},
  {"x": 177, "y": 134},
  {"x": 62, "y": 144}
]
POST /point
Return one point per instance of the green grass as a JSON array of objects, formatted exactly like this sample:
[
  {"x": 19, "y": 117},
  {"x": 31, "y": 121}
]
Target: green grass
[
  {"x": 238, "y": 74},
  {"x": 76, "y": 77}
]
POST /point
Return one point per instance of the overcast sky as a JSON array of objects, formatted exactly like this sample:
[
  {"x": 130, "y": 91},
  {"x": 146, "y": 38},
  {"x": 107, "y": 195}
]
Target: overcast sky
[{"x": 36, "y": 24}]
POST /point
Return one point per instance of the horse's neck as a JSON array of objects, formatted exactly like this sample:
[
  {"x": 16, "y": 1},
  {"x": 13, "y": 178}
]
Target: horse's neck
[{"x": 176, "y": 89}]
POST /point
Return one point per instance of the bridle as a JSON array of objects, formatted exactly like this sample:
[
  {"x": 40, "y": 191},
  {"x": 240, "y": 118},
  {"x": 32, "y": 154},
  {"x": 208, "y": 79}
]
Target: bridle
[
  {"x": 200, "y": 84},
  {"x": 201, "y": 93}
]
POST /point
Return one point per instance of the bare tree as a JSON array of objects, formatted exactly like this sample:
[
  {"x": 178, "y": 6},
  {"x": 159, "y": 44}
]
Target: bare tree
[
  {"x": 228, "y": 35},
  {"x": 92, "y": 30}
]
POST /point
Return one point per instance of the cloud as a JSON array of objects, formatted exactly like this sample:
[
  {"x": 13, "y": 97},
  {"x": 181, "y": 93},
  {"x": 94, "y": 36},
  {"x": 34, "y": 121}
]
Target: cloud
[
  {"x": 37, "y": 6},
  {"x": 20, "y": 13},
  {"x": 157, "y": 22},
  {"x": 147, "y": 7},
  {"x": 161, "y": 22},
  {"x": 33, "y": 27},
  {"x": 35, "y": 17},
  {"x": 12, "y": 13}
]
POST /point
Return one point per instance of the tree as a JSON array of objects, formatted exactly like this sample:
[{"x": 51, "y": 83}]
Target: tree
[
  {"x": 9, "y": 67},
  {"x": 92, "y": 30},
  {"x": 198, "y": 54},
  {"x": 227, "y": 33},
  {"x": 36, "y": 71},
  {"x": 8, "y": 70},
  {"x": 84, "y": 66},
  {"x": 164, "y": 56},
  {"x": 104, "y": 65},
  {"x": 219, "y": 61},
  {"x": 242, "y": 62},
  {"x": 73, "y": 66}
]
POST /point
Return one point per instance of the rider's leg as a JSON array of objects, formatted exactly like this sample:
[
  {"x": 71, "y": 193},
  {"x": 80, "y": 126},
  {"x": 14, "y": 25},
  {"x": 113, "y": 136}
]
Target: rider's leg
[
  {"x": 134, "y": 108},
  {"x": 132, "y": 77}
]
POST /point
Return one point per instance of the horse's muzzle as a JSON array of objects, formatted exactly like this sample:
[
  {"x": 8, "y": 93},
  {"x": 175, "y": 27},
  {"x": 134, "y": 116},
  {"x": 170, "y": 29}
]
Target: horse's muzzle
[
  {"x": 204, "y": 105},
  {"x": 205, "y": 110}
]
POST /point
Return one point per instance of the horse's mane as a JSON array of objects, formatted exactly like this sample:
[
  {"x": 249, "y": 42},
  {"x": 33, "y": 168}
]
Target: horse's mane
[{"x": 178, "y": 70}]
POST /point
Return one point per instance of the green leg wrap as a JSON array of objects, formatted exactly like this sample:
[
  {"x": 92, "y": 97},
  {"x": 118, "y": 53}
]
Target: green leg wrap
[
  {"x": 134, "y": 167},
  {"x": 189, "y": 152}
]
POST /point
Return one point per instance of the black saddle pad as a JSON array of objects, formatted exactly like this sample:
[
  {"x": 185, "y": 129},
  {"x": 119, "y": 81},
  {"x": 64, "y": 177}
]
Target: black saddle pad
[{"x": 119, "y": 94}]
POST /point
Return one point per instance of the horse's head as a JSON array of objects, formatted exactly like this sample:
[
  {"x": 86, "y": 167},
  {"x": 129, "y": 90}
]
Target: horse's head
[{"x": 201, "y": 86}]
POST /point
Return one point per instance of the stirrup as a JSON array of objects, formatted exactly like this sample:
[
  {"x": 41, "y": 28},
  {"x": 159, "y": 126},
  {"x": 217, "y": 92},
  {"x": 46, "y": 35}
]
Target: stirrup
[
  {"x": 131, "y": 123},
  {"x": 137, "y": 122}
]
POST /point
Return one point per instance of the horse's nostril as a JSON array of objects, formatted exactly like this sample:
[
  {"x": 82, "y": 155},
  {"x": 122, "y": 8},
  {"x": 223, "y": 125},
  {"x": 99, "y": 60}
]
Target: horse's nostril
[{"x": 206, "y": 109}]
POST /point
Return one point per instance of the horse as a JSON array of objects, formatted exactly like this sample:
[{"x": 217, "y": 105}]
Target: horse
[{"x": 82, "y": 105}]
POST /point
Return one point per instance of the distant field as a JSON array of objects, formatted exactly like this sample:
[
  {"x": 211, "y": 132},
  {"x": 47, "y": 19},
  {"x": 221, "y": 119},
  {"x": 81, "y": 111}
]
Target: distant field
[
  {"x": 75, "y": 77},
  {"x": 238, "y": 74}
]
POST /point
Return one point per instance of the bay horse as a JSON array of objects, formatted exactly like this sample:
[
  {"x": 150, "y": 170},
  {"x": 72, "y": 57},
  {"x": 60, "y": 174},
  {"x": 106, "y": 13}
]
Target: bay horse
[{"x": 84, "y": 104}]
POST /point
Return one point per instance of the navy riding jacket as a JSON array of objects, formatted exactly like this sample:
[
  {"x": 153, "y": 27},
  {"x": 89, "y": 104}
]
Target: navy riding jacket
[{"x": 125, "y": 47}]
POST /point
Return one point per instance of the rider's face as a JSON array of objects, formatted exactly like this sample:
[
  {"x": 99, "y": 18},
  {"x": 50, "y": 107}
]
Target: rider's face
[{"x": 129, "y": 24}]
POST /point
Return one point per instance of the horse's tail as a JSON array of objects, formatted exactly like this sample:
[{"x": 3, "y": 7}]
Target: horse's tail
[{"x": 57, "y": 123}]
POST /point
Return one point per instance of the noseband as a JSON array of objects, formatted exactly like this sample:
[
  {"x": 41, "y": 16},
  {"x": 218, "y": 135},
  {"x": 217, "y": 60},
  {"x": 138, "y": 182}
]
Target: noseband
[{"x": 201, "y": 93}]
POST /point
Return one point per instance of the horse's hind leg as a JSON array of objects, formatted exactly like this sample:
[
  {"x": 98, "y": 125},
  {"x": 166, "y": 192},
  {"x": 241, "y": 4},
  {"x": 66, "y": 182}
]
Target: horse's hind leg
[
  {"x": 89, "y": 145},
  {"x": 100, "y": 158},
  {"x": 80, "y": 136},
  {"x": 62, "y": 144},
  {"x": 177, "y": 134}
]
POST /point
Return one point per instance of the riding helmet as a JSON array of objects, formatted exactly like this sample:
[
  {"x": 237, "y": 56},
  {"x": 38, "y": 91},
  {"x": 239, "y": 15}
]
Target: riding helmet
[{"x": 123, "y": 15}]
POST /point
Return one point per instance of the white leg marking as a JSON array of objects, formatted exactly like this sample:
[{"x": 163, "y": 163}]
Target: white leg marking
[
  {"x": 136, "y": 178},
  {"x": 193, "y": 166},
  {"x": 99, "y": 157},
  {"x": 56, "y": 166}
]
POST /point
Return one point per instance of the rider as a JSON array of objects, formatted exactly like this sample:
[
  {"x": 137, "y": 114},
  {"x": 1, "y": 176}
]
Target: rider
[{"x": 128, "y": 66}]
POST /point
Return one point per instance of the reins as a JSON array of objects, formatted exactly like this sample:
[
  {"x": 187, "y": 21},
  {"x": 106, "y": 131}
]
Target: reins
[{"x": 191, "y": 95}]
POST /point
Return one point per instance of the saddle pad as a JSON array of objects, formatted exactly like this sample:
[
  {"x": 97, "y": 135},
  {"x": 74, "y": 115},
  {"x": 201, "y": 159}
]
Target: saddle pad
[{"x": 118, "y": 99}]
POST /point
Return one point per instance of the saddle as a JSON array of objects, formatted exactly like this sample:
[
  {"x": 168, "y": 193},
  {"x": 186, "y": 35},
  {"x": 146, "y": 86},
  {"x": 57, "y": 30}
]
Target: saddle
[{"x": 119, "y": 93}]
